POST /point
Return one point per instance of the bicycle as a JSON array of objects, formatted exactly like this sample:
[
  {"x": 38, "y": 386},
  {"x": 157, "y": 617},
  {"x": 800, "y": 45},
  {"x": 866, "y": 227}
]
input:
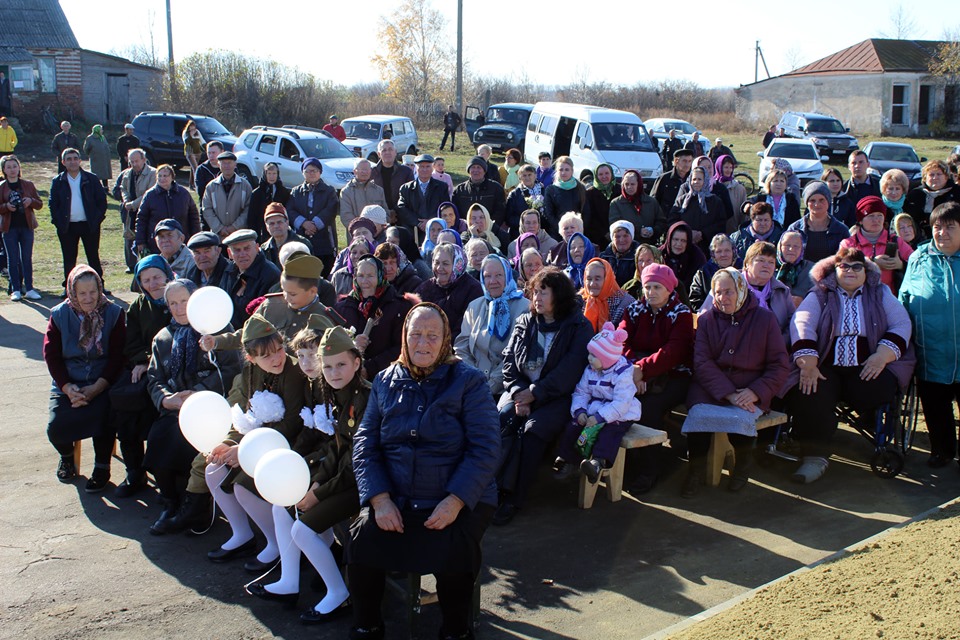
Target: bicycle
[{"x": 747, "y": 182}]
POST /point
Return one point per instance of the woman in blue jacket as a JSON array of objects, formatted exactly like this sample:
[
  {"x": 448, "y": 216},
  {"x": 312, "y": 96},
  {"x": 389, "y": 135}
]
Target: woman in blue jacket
[
  {"x": 931, "y": 294},
  {"x": 424, "y": 456}
]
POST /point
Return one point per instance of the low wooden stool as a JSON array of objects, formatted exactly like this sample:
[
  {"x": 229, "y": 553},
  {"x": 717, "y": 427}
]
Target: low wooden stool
[
  {"x": 636, "y": 436},
  {"x": 721, "y": 450}
]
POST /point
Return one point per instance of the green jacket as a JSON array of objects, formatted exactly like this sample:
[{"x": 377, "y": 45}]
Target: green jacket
[
  {"x": 289, "y": 385},
  {"x": 287, "y": 321}
]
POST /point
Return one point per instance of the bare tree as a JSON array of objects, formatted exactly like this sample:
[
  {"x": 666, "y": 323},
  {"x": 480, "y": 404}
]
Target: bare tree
[
  {"x": 902, "y": 24},
  {"x": 794, "y": 58},
  {"x": 145, "y": 50}
]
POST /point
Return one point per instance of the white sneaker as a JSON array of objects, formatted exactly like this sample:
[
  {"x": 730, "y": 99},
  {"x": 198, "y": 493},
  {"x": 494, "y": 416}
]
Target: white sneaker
[
  {"x": 811, "y": 469},
  {"x": 33, "y": 294},
  {"x": 16, "y": 296}
]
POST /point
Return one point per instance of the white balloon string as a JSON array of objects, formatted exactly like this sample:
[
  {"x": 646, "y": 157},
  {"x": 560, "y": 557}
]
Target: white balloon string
[
  {"x": 216, "y": 365},
  {"x": 296, "y": 516}
]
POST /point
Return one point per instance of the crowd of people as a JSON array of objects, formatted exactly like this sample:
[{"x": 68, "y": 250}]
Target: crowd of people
[{"x": 427, "y": 364}]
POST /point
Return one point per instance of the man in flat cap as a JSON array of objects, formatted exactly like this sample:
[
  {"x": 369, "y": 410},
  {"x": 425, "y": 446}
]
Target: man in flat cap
[
  {"x": 227, "y": 198},
  {"x": 667, "y": 186},
  {"x": 250, "y": 276},
  {"x": 278, "y": 227},
  {"x": 210, "y": 264},
  {"x": 420, "y": 198},
  {"x": 169, "y": 237},
  {"x": 312, "y": 209}
]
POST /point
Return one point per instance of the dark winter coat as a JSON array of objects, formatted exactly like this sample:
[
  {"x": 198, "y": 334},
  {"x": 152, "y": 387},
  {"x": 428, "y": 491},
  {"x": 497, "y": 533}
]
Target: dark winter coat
[
  {"x": 386, "y": 335},
  {"x": 413, "y": 205},
  {"x": 650, "y": 215},
  {"x": 92, "y": 193},
  {"x": 624, "y": 264},
  {"x": 145, "y": 319},
  {"x": 159, "y": 204},
  {"x": 407, "y": 280},
  {"x": 259, "y": 199},
  {"x": 324, "y": 242},
  {"x": 709, "y": 224},
  {"x": 488, "y": 193},
  {"x": 791, "y": 212},
  {"x": 557, "y": 201},
  {"x": 258, "y": 279},
  {"x": 453, "y": 299}
]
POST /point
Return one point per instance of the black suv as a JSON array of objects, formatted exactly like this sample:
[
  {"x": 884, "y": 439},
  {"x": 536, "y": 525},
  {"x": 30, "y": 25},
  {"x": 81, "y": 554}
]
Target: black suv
[{"x": 161, "y": 132}]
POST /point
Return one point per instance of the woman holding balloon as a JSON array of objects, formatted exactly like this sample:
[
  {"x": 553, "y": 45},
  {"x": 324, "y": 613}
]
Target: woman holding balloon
[{"x": 178, "y": 369}]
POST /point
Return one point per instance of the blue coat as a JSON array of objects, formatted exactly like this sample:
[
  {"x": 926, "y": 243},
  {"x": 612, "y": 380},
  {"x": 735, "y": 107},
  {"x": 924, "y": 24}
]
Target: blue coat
[
  {"x": 420, "y": 442},
  {"x": 931, "y": 294},
  {"x": 323, "y": 214},
  {"x": 92, "y": 193}
]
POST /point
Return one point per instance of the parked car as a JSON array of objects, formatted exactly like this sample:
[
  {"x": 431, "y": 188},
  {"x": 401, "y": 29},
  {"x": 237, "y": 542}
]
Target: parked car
[
  {"x": 660, "y": 128},
  {"x": 288, "y": 146},
  {"x": 884, "y": 156},
  {"x": 364, "y": 133},
  {"x": 161, "y": 135},
  {"x": 503, "y": 127},
  {"x": 802, "y": 155},
  {"x": 826, "y": 132}
]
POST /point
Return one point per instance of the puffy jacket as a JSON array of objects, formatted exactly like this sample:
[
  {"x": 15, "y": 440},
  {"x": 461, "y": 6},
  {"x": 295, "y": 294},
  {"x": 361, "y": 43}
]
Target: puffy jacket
[
  {"x": 931, "y": 294},
  {"x": 421, "y": 441},
  {"x": 609, "y": 394},
  {"x": 92, "y": 194},
  {"x": 159, "y": 204}
]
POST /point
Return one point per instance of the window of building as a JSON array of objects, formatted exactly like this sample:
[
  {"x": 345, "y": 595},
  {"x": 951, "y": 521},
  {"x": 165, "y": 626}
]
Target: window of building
[
  {"x": 48, "y": 74},
  {"x": 21, "y": 78},
  {"x": 900, "y": 113}
]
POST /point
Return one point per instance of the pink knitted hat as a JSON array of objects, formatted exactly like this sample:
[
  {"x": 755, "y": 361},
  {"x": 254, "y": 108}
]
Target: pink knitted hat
[{"x": 607, "y": 345}]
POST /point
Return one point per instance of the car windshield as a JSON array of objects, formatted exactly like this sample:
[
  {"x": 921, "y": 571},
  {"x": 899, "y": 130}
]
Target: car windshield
[
  {"x": 360, "y": 129},
  {"x": 324, "y": 148},
  {"x": 825, "y": 126},
  {"x": 507, "y": 116},
  {"x": 621, "y": 136},
  {"x": 681, "y": 127},
  {"x": 893, "y": 154},
  {"x": 795, "y": 151},
  {"x": 210, "y": 127}
]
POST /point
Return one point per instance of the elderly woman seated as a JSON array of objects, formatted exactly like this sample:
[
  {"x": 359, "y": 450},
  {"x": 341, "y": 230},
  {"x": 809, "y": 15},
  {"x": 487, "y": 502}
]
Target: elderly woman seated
[
  {"x": 570, "y": 223},
  {"x": 531, "y": 222},
  {"x": 761, "y": 228},
  {"x": 739, "y": 366},
  {"x": 792, "y": 269},
  {"x": 450, "y": 288},
  {"x": 621, "y": 251},
  {"x": 531, "y": 262},
  {"x": 603, "y": 299},
  {"x": 722, "y": 255},
  {"x": 850, "y": 343},
  {"x": 646, "y": 255},
  {"x": 424, "y": 458}
]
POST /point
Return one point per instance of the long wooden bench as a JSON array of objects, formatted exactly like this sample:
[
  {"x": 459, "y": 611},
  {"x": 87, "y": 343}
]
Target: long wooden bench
[{"x": 636, "y": 436}]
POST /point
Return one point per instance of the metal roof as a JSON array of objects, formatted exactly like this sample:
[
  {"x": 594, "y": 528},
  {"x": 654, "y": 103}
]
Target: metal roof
[
  {"x": 14, "y": 54},
  {"x": 875, "y": 55},
  {"x": 35, "y": 24}
]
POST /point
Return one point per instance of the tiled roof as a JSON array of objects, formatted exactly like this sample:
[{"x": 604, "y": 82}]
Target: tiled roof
[{"x": 35, "y": 24}]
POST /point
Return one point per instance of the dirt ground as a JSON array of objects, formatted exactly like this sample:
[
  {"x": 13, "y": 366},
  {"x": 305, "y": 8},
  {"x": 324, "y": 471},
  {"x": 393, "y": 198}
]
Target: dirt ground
[{"x": 903, "y": 585}]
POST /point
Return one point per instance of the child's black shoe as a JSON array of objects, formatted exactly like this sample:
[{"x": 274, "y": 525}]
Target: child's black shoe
[
  {"x": 562, "y": 469},
  {"x": 591, "y": 469}
]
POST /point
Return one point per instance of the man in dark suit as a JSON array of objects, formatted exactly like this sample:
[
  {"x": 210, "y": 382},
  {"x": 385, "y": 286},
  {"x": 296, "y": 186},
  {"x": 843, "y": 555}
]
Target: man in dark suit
[
  {"x": 420, "y": 198},
  {"x": 78, "y": 205}
]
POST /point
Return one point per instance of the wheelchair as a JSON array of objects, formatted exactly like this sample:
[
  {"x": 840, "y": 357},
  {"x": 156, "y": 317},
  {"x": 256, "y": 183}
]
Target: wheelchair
[{"x": 891, "y": 433}]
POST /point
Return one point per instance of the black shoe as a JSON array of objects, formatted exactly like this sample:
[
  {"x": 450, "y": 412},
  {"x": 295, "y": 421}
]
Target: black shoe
[
  {"x": 221, "y": 555},
  {"x": 371, "y": 633},
  {"x": 255, "y": 566},
  {"x": 562, "y": 469},
  {"x": 289, "y": 600},
  {"x": 312, "y": 616},
  {"x": 591, "y": 469},
  {"x": 935, "y": 461},
  {"x": 194, "y": 513},
  {"x": 505, "y": 513},
  {"x": 66, "y": 470},
  {"x": 98, "y": 481},
  {"x": 134, "y": 483},
  {"x": 642, "y": 484},
  {"x": 691, "y": 484},
  {"x": 162, "y": 526},
  {"x": 740, "y": 476}
]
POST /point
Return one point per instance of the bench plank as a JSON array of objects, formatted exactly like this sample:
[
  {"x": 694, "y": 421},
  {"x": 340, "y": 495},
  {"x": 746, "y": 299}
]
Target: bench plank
[{"x": 637, "y": 436}]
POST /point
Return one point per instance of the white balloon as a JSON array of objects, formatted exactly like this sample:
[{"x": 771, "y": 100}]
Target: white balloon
[
  {"x": 282, "y": 477},
  {"x": 209, "y": 310},
  {"x": 257, "y": 443},
  {"x": 205, "y": 420}
]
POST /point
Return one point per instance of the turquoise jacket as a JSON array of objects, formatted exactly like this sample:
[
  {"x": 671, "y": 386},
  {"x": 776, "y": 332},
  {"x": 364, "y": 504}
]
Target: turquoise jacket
[{"x": 931, "y": 294}]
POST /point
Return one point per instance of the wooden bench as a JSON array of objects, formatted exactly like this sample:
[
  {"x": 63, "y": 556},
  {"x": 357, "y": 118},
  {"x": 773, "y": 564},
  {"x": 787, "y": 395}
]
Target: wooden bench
[{"x": 636, "y": 436}]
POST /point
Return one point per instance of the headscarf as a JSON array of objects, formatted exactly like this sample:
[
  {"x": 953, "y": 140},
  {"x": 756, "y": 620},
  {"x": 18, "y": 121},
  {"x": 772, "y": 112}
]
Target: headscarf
[
  {"x": 708, "y": 175},
  {"x": 97, "y": 132},
  {"x": 718, "y": 169},
  {"x": 446, "y": 355},
  {"x": 456, "y": 211},
  {"x": 407, "y": 243},
  {"x": 686, "y": 264},
  {"x": 597, "y": 308},
  {"x": 459, "y": 263},
  {"x": 513, "y": 177},
  {"x": 488, "y": 233},
  {"x": 701, "y": 194},
  {"x": 743, "y": 289},
  {"x": 91, "y": 324},
  {"x": 152, "y": 261},
  {"x": 349, "y": 262},
  {"x": 788, "y": 272},
  {"x": 575, "y": 271},
  {"x": 428, "y": 244},
  {"x": 498, "y": 311},
  {"x": 523, "y": 237},
  {"x": 637, "y": 198},
  {"x": 368, "y": 306},
  {"x": 458, "y": 239},
  {"x": 186, "y": 340},
  {"x": 606, "y": 189}
]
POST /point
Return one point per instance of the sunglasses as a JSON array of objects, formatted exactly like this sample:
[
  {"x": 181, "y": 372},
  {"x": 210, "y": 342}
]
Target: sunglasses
[{"x": 856, "y": 267}]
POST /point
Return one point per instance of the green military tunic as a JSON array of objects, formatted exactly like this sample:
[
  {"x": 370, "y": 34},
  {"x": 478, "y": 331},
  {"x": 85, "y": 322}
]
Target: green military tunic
[{"x": 288, "y": 321}]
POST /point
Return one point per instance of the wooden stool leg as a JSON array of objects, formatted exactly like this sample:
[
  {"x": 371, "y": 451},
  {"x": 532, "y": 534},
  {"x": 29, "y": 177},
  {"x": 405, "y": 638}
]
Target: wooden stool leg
[
  {"x": 615, "y": 476},
  {"x": 588, "y": 491},
  {"x": 77, "y": 449},
  {"x": 413, "y": 604},
  {"x": 720, "y": 448}
]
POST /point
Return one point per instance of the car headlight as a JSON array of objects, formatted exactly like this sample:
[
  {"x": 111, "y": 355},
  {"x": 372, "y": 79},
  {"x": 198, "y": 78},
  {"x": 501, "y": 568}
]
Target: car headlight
[
  {"x": 509, "y": 136},
  {"x": 344, "y": 176},
  {"x": 478, "y": 134},
  {"x": 817, "y": 141}
]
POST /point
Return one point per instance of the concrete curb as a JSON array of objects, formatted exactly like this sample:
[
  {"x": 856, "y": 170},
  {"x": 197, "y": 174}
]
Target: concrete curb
[{"x": 663, "y": 634}]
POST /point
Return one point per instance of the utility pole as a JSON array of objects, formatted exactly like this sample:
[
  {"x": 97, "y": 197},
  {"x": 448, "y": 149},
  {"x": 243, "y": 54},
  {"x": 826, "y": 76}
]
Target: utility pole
[
  {"x": 170, "y": 68},
  {"x": 757, "y": 59},
  {"x": 459, "y": 56}
]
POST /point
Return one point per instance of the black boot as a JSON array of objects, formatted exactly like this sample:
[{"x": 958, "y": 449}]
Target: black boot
[
  {"x": 194, "y": 513},
  {"x": 740, "y": 475},
  {"x": 132, "y": 451},
  {"x": 163, "y": 524},
  {"x": 695, "y": 476}
]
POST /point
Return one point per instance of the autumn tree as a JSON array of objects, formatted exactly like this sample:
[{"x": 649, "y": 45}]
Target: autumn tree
[{"x": 415, "y": 59}]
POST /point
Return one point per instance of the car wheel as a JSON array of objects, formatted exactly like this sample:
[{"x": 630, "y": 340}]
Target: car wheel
[
  {"x": 411, "y": 150},
  {"x": 152, "y": 161},
  {"x": 247, "y": 175},
  {"x": 373, "y": 157}
]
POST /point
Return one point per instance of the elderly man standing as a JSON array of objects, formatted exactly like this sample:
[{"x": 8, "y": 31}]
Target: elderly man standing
[
  {"x": 210, "y": 264},
  {"x": 78, "y": 205},
  {"x": 63, "y": 141},
  {"x": 481, "y": 190},
  {"x": 226, "y": 199},
  {"x": 312, "y": 209},
  {"x": 333, "y": 128},
  {"x": 421, "y": 198},
  {"x": 169, "y": 237},
  {"x": 250, "y": 276},
  {"x": 134, "y": 181},
  {"x": 390, "y": 175},
  {"x": 125, "y": 144},
  {"x": 360, "y": 192}
]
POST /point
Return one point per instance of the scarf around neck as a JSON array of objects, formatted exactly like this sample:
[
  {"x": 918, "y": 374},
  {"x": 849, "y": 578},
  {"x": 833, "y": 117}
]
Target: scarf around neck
[
  {"x": 498, "y": 311},
  {"x": 91, "y": 324}
]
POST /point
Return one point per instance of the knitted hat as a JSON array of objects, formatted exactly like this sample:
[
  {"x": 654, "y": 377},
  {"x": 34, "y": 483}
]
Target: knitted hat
[
  {"x": 661, "y": 274},
  {"x": 815, "y": 187},
  {"x": 311, "y": 162},
  {"x": 622, "y": 224},
  {"x": 374, "y": 213},
  {"x": 868, "y": 205},
  {"x": 303, "y": 266},
  {"x": 257, "y": 327},
  {"x": 335, "y": 341},
  {"x": 362, "y": 223},
  {"x": 607, "y": 345},
  {"x": 478, "y": 161},
  {"x": 273, "y": 210}
]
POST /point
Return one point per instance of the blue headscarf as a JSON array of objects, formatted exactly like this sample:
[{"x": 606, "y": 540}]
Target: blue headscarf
[
  {"x": 153, "y": 261},
  {"x": 456, "y": 236},
  {"x": 498, "y": 312},
  {"x": 575, "y": 271},
  {"x": 428, "y": 245}
]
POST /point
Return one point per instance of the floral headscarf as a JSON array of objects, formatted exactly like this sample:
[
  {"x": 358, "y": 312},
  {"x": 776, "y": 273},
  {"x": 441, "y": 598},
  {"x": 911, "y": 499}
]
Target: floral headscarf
[
  {"x": 350, "y": 266},
  {"x": 91, "y": 324},
  {"x": 498, "y": 312},
  {"x": 597, "y": 308},
  {"x": 368, "y": 306},
  {"x": 743, "y": 289},
  {"x": 446, "y": 355},
  {"x": 459, "y": 261},
  {"x": 575, "y": 271},
  {"x": 428, "y": 244}
]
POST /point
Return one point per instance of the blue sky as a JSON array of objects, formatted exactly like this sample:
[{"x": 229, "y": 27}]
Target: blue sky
[{"x": 617, "y": 41}]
